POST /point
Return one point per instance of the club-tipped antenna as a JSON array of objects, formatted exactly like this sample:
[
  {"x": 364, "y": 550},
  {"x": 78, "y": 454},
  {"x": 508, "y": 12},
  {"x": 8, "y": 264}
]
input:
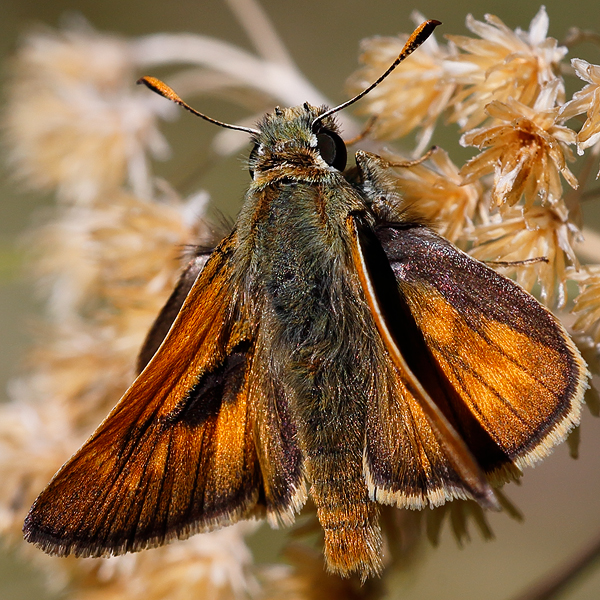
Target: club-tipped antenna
[
  {"x": 418, "y": 36},
  {"x": 156, "y": 85}
]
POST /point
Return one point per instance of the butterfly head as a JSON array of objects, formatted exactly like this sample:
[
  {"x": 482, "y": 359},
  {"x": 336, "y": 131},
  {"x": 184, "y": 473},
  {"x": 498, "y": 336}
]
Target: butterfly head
[{"x": 292, "y": 137}]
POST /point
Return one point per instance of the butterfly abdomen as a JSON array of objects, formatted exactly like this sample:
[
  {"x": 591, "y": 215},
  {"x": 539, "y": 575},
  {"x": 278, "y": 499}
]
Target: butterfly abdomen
[
  {"x": 308, "y": 316},
  {"x": 349, "y": 520},
  {"x": 329, "y": 404}
]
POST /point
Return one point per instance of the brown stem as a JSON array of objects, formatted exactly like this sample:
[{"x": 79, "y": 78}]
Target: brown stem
[
  {"x": 577, "y": 36},
  {"x": 560, "y": 579},
  {"x": 406, "y": 164},
  {"x": 590, "y": 195},
  {"x": 364, "y": 133}
]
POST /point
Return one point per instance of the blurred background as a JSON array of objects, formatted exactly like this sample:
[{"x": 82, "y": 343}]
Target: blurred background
[{"x": 560, "y": 497}]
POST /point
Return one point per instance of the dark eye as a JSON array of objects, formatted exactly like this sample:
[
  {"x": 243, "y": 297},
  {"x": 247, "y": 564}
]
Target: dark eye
[
  {"x": 252, "y": 160},
  {"x": 332, "y": 149}
]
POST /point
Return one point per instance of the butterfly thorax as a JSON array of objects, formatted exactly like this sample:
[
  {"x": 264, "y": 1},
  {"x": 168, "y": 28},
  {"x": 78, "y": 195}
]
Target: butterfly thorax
[{"x": 293, "y": 246}]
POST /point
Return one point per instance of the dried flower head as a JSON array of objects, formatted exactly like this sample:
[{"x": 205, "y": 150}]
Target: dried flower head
[
  {"x": 504, "y": 64},
  {"x": 437, "y": 192},
  {"x": 413, "y": 96},
  {"x": 541, "y": 233},
  {"x": 587, "y": 101},
  {"x": 527, "y": 151},
  {"x": 76, "y": 123},
  {"x": 214, "y": 565},
  {"x": 33, "y": 441},
  {"x": 587, "y": 304}
]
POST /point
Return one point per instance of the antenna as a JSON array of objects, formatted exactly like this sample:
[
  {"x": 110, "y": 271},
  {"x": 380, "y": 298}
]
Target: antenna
[
  {"x": 418, "y": 36},
  {"x": 156, "y": 85}
]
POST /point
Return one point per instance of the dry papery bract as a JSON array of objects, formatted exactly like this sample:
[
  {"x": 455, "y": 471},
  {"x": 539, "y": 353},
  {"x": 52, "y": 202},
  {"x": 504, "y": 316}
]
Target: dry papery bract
[
  {"x": 107, "y": 258},
  {"x": 540, "y": 233},
  {"x": 585, "y": 101},
  {"x": 503, "y": 64},
  {"x": 436, "y": 191},
  {"x": 587, "y": 303},
  {"x": 526, "y": 150}
]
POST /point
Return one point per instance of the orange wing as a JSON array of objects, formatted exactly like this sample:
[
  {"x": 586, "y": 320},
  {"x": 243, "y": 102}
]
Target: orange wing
[
  {"x": 498, "y": 366},
  {"x": 168, "y": 314},
  {"x": 179, "y": 453}
]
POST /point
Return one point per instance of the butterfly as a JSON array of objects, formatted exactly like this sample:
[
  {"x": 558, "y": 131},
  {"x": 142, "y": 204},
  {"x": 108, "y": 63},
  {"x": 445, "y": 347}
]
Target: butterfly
[{"x": 332, "y": 347}]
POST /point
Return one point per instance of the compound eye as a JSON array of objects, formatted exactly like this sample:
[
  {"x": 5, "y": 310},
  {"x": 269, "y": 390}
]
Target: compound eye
[
  {"x": 332, "y": 149},
  {"x": 252, "y": 160}
]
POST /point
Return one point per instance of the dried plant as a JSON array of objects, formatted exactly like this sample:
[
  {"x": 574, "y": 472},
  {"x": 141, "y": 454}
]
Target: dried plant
[{"x": 109, "y": 255}]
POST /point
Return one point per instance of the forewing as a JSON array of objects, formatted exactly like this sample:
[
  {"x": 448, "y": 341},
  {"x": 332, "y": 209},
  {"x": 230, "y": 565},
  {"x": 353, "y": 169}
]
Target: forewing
[
  {"x": 178, "y": 453},
  {"x": 513, "y": 381}
]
